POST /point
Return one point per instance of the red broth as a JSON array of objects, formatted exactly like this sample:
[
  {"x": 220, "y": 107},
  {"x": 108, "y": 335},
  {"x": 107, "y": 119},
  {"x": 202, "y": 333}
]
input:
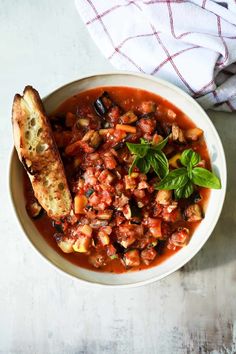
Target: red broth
[{"x": 129, "y": 99}]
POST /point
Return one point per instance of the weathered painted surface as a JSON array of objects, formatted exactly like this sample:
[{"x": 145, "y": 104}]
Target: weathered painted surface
[{"x": 45, "y": 44}]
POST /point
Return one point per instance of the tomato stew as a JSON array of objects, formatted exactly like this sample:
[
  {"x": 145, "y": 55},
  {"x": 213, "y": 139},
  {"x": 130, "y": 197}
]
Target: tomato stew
[{"x": 121, "y": 221}]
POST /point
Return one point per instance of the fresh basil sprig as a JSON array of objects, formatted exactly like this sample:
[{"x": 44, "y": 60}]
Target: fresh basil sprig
[
  {"x": 182, "y": 180},
  {"x": 149, "y": 155}
]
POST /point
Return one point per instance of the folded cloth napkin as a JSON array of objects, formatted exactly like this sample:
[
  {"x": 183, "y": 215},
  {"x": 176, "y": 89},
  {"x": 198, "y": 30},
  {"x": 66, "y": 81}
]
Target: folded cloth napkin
[{"x": 189, "y": 43}]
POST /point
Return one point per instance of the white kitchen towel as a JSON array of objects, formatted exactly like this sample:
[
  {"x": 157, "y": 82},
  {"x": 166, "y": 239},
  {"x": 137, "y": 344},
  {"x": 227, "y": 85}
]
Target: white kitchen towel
[{"x": 189, "y": 43}]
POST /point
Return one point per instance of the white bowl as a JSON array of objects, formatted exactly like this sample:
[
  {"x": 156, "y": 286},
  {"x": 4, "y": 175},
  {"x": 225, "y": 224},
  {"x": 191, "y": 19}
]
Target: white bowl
[{"x": 186, "y": 104}]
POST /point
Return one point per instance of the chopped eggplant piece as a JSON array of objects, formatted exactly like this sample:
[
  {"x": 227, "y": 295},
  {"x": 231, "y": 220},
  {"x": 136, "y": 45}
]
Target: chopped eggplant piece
[
  {"x": 193, "y": 213},
  {"x": 163, "y": 129},
  {"x": 57, "y": 225},
  {"x": 92, "y": 138},
  {"x": 177, "y": 134},
  {"x": 135, "y": 211},
  {"x": 196, "y": 197},
  {"x": 95, "y": 140},
  {"x": 102, "y": 104},
  {"x": 128, "y": 118},
  {"x": 34, "y": 209}
]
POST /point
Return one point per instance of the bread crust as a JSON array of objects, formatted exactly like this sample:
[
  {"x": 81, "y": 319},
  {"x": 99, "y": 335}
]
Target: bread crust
[{"x": 39, "y": 154}]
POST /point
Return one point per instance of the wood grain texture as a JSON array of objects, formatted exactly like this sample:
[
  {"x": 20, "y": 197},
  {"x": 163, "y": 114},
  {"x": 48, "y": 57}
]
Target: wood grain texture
[{"x": 45, "y": 44}]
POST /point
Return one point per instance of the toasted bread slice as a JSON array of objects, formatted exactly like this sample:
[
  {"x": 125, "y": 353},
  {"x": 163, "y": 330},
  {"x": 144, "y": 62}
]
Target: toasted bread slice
[{"x": 38, "y": 153}]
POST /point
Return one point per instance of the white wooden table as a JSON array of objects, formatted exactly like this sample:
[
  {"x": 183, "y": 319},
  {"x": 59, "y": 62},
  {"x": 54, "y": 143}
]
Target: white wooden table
[{"x": 44, "y": 43}]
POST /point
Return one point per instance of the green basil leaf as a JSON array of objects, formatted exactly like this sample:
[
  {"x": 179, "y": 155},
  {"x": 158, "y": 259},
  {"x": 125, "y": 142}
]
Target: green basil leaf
[
  {"x": 138, "y": 149},
  {"x": 134, "y": 163},
  {"x": 190, "y": 157},
  {"x": 185, "y": 191},
  {"x": 175, "y": 179},
  {"x": 143, "y": 141},
  {"x": 205, "y": 178},
  {"x": 153, "y": 162},
  {"x": 144, "y": 165},
  {"x": 161, "y": 145},
  {"x": 163, "y": 164}
]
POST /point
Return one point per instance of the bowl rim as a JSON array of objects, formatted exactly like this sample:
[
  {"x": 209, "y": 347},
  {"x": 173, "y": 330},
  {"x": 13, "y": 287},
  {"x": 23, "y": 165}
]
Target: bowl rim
[{"x": 203, "y": 241}]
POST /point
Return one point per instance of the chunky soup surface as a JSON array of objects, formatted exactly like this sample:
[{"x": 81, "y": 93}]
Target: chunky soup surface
[{"x": 121, "y": 222}]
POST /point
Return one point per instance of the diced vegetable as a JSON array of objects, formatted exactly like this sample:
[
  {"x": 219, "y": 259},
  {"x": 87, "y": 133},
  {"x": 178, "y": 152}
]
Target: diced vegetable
[
  {"x": 148, "y": 107},
  {"x": 148, "y": 255},
  {"x": 132, "y": 258},
  {"x": 193, "y": 134},
  {"x": 126, "y": 128},
  {"x": 103, "y": 236},
  {"x": 105, "y": 215},
  {"x": 128, "y": 117},
  {"x": 82, "y": 244},
  {"x": 109, "y": 161},
  {"x": 177, "y": 134},
  {"x": 175, "y": 161},
  {"x": 127, "y": 211},
  {"x": 106, "y": 131},
  {"x": 171, "y": 114},
  {"x": 80, "y": 202},
  {"x": 193, "y": 213},
  {"x": 164, "y": 197},
  {"x": 130, "y": 183},
  {"x": 66, "y": 245},
  {"x": 179, "y": 238},
  {"x": 86, "y": 230},
  {"x": 83, "y": 122},
  {"x": 95, "y": 140},
  {"x": 155, "y": 227},
  {"x": 102, "y": 104},
  {"x": 147, "y": 125}
]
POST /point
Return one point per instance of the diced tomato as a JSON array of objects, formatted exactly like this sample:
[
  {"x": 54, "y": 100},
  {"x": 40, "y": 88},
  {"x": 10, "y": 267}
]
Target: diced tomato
[
  {"x": 118, "y": 135},
  {"x": 114, "y": 114},
  {"x": 173, "y": 216},
  {"x": 148, "y": 255},
  {"x": 147, "y": 125},
  {"x": 109, "y": 161},
  {"x": 155, "y": 227},
  {"x": 132, "y": 258}
]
